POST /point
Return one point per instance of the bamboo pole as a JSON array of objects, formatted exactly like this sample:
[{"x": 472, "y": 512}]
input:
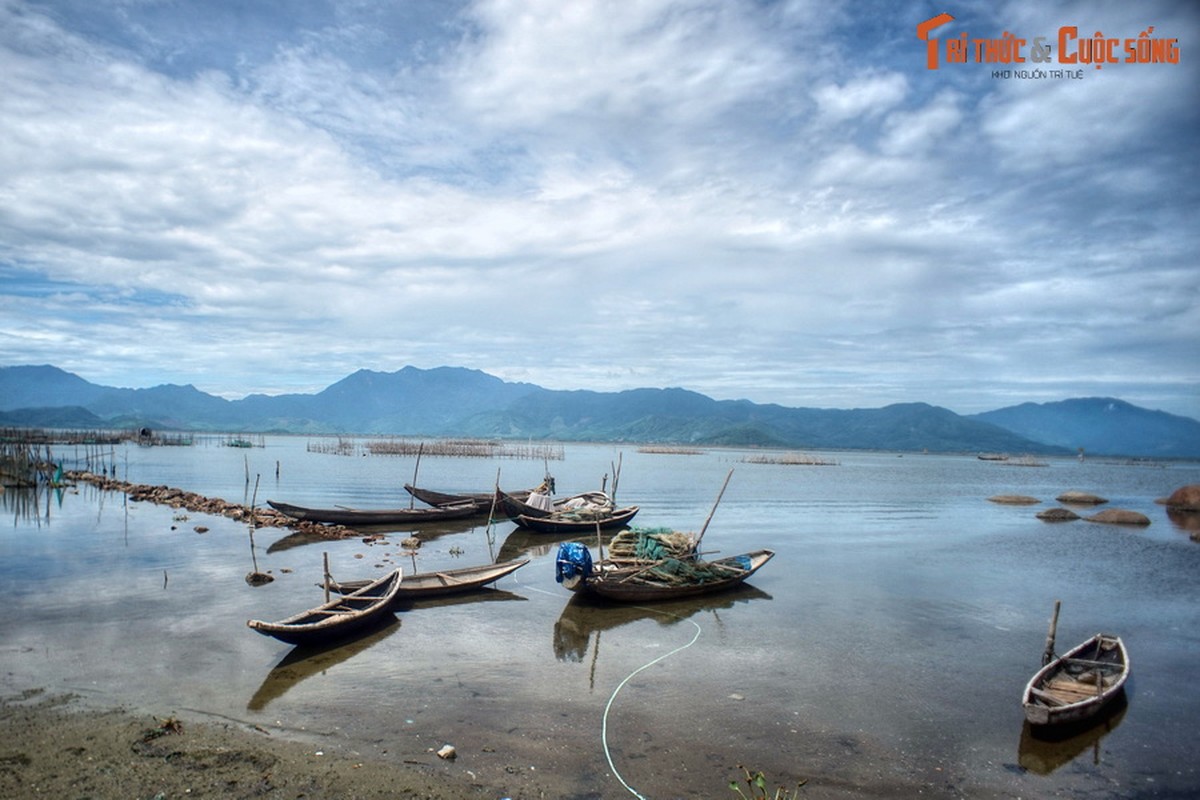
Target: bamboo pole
[
  {"x": 714, "y": 509},
  {"x": 491, "y": 521},
  {"x": 412, "y": 497},
  {"x": 328, "y": 578},
  {"x": 1048, "y": 654}
]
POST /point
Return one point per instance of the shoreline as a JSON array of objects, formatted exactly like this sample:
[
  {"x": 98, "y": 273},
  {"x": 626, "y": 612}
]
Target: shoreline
[{"x": 54, "y": 745}]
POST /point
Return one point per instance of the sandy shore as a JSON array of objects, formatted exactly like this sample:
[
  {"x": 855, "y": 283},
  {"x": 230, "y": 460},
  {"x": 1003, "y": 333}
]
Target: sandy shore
[{"x": 52, "y": 747}]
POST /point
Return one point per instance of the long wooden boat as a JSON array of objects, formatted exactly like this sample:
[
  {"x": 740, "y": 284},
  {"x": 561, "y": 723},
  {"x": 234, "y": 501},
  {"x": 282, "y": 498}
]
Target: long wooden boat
[
  {"x": 664, "y": 580},
  {"x": 571, "y": 522},
  {"x": 482, "y": 500},
  {"x": 448, "y": 581},
  {"x": 339, "y": 618},
  {"x": 1076, "y": 686},
  {"x": 367, "y": 516},
  {"x": 516, "y": 508}
]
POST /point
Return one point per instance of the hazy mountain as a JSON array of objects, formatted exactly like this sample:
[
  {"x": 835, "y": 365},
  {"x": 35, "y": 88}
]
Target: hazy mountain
[
  {"x": 452, "y": 401},
  {"x": 1101, "y": 425}
]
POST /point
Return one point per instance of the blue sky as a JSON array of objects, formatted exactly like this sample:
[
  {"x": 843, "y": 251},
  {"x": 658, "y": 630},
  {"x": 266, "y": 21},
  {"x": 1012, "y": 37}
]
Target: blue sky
[{"x": 776, "y": 201}]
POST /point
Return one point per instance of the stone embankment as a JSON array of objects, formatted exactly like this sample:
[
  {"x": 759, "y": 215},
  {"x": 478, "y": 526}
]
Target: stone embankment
[{"x": 199, "y": 504}]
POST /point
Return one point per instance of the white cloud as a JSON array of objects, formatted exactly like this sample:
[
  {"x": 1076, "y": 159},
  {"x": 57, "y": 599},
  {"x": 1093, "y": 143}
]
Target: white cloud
[{"x": 583, "y": 195}]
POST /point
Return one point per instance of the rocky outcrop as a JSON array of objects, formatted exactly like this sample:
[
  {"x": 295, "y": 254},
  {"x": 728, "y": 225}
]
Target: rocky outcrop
[
  {"x": 1057, "y": 515},
  {"x": 1014, "y": 500},
  {"x": 1185, "y": 498},
  {"x": 1081, "y": 499},
  {"x": 1119, "y": 516},
  {"x": 197, "y": 503}
]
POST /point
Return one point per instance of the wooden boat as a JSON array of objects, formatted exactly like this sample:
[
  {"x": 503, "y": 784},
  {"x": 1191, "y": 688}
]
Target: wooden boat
[
  {"x": 516, "y": 508},
  {"x": 482, "y": 500},
  {"x": 666, "y": 580},
  {"x": 365, "y": 516},
  {"x": 1077, "y": 686},
  {"x": 449, "y": 581},
  {"x": 574, "y": 522},
  {"x": 338, "y": 618}
]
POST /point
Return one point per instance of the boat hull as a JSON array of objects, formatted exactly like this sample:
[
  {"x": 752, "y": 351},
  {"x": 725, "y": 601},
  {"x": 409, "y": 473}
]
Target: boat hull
[
  {"x": 384, "y": 516},
  {"x": 1078, "y": 685},
  {"x": 557, "y": 523},
  {"x": 339, "y": 618},
  {"x": 621, "y": 585},
  {"x": 451, "y": 581}
]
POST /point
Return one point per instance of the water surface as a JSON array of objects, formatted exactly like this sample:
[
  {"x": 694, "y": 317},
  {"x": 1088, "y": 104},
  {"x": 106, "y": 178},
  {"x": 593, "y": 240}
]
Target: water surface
[{"x": 888, "y": 641}]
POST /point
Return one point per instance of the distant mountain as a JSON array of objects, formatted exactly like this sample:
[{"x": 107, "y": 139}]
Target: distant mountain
[
  {"x": 452, "y": 401},
  {"x": 1101, "y": 425}
]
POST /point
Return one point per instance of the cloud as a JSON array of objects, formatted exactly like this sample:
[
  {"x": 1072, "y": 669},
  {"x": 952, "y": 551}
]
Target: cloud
[{"x": 772, "y": 201}]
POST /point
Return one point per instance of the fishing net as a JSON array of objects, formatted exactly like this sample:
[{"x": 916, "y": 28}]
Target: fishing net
[{"x": 652, "y": 544}]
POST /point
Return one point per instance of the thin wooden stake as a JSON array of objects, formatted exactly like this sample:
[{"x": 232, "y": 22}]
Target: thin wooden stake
[
  {"x": 491, "y": 521},
  {"x": 1048, "y": 655},
  {"x": 412, "y": 497},
  {"x": 328, "y": 578},
  {"x": 714, "y": 509}
]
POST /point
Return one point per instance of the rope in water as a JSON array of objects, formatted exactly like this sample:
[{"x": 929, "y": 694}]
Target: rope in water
[{"x": 621, "y": 685}]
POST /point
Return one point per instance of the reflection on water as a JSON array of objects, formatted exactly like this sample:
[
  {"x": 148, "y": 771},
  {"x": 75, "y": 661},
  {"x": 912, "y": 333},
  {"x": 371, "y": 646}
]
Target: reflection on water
[
  {"x": 482, "y": 594},
  {"x": 1187, "y": 521},
  {"x": 303, "y": 662},
  {"x": 30, "y": 504},
  {"x": 1042, "y": 752},
  {"x": 896, "y": 585},
  {"x": 584, "y": 615},
  {"x": 294, "y": 539},
  {"x": 522, "y": 543}
]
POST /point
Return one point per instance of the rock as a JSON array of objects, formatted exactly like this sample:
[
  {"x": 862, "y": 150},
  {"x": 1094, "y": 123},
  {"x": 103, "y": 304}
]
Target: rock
[
  {"x": 1057, "y": 515},
  {"x": 1015, "y": 500},
  {"x": 200, "y": 529},
  {"x": 1119, "y": 516},
  {"x": 1185, "y": 498},
  {"x": 447, "y": 752},
  {"x": 1081, "y": 499}
]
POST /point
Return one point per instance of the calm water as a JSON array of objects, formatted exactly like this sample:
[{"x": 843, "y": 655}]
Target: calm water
[{"x": 888, "y": 641}]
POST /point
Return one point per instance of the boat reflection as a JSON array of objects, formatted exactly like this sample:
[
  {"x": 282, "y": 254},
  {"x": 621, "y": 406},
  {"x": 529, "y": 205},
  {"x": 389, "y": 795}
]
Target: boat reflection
[
  {"x": 584, "y": 615},
  {"x": 522, "y": 543},
  {"x": 482, "y": 594},
  {"x": 426, "y": 532},
  {"x": 294, "y": 539},
  {"x": 303, "y": 662},
  {"x": 1042, "y": 752}
]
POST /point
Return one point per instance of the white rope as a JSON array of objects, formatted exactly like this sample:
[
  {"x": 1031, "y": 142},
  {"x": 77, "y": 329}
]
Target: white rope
[{"x": 621, "y": 685}]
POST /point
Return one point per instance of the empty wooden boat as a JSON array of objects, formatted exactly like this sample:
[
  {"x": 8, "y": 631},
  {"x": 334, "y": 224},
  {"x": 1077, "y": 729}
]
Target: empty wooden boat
[
  {"x": 366, "y": 516},
  {"x": 483, "y": 500},
  {"x": 448, "y": 581},
  {"x": 339, "y": 618},
  {"x": 1076, "y": 686}
]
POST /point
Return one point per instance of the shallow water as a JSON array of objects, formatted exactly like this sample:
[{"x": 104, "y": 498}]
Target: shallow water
[{"x": 886, "y": 644}]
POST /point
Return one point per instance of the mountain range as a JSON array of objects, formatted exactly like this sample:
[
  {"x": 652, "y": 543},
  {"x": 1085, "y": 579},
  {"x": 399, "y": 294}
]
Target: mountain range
[{"x": 454, "y": 401}]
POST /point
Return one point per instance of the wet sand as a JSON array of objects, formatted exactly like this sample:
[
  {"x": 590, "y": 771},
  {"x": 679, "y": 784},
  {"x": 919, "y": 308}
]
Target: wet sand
[
  {"x": 55, "y": 745},
  {"x": 50, "y": 746}
]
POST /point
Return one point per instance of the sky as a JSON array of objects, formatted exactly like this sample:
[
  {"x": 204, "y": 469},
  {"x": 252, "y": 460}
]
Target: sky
[{"x": 775, "y": 201}]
